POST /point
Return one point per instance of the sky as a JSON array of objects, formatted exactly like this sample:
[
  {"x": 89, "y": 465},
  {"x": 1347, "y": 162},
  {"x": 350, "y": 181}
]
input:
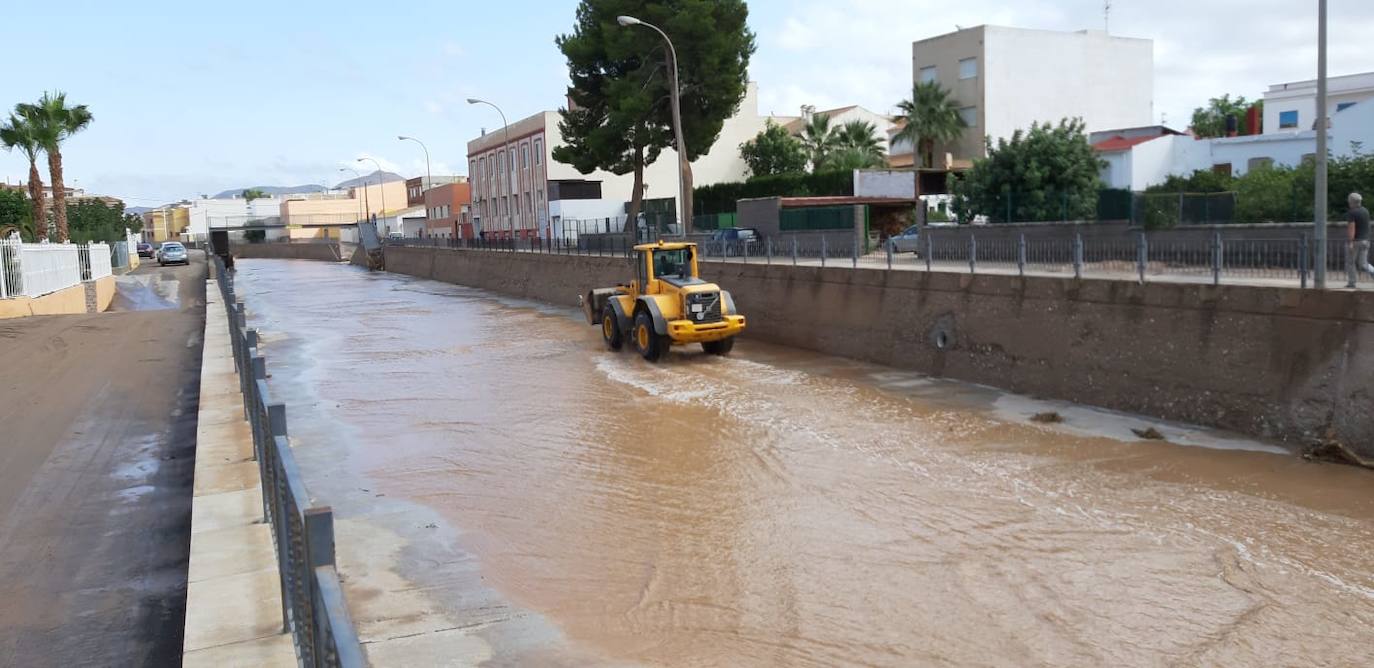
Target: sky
[{"x": 195, "y": 98}]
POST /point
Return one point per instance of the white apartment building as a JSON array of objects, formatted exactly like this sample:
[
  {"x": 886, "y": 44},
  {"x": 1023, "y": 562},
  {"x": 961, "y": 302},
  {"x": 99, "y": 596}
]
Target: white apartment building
[
  {"x": 1292, "y": 107},
  {"x": 232, "y": 213},
  {"x": 1004, "y": 79},
  {"x": 511, "y": 171}
]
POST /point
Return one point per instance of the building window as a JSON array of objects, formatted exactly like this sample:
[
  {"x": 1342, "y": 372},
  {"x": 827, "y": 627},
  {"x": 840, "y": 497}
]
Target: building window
[
  {"x": 969, "y": 115},
  {"x": 927, "y": 74},
  {"x": 1259, "y": 163},
  {"x": 968, "y": 68},
  {"x": 1342, "y": 106},
  {"x": 1288, "y": 119},
  {"x": 1223, "y": 168},
  {"x": 524, "y": 156},
  {"x": 538, "y": 151}
]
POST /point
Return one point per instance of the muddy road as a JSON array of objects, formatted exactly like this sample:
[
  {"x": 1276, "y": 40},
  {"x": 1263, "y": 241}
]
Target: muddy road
[
  {"x": 544, "y": 500},
  {"x": 97, "y": 453}
]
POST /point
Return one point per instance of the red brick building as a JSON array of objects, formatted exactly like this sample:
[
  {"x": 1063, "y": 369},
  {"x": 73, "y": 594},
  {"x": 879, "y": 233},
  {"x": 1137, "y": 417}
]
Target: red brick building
[{"x": 448, "y": 211}]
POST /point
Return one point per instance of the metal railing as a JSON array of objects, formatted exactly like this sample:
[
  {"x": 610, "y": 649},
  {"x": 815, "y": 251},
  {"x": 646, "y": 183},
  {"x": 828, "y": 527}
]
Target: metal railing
[
  {"x": 1283, "y": 259},
  {"x": 95, "y": 261},
  {"x": 313, "y": 607}
]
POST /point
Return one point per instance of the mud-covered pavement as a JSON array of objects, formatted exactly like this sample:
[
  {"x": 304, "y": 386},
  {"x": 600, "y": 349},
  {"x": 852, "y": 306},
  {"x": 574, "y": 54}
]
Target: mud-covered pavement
[
  {"x": 97, "y": 444},
  {"x": 507, "y": 489}
]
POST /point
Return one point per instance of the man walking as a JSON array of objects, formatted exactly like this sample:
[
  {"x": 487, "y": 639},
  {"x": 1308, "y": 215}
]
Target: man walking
[{"x": 1357, "y": 234}]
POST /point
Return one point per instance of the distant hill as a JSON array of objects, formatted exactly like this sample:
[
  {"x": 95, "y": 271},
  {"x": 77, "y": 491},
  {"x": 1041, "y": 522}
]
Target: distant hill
[
  {"x": 138, "y": 210},
  {"x": 386, "y": 177},
  {"x": 271, "y": 190}
]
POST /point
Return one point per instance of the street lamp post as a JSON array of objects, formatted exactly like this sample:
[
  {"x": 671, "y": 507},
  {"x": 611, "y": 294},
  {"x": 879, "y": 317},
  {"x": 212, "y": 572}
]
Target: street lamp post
[
  {"x": 380, "y": 185},
  {"x": 505, "y": 127},
  {"x": 362, "y": 206},
  {"x": 1319, "y": 206},
  {"x": 428, "y": 174},
  {"x": 684, "y": 191}
]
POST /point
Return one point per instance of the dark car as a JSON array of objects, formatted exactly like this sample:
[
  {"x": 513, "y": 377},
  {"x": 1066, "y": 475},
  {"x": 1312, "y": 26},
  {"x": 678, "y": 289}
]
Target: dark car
[
  {"x": 145, "y": 249},
  {"x": 737, "y": 240}
]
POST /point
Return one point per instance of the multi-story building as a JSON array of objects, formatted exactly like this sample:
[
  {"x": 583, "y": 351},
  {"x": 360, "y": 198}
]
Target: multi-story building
[
  {"x": 447, "y": 211},
  {"x": 1292, "y": 107},
  {"x": 1004, "y": 79},
  {"x": 166, "y": 223},
  {"x": 512, "y": 171},
  {"x": 416, "y": 187}
]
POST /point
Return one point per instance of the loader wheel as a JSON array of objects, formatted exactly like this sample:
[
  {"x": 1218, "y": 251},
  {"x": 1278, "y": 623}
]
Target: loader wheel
[
  {"x": 647, "y": 342},
  {"x": 721, "y": 347},
  {"x": 610, "y": 329}
]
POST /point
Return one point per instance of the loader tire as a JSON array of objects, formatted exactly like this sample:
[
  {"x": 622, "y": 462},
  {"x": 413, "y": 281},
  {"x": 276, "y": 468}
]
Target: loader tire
[
  {"x": 721, "y": 347},
  {"x": 648, "y": 342},
  {"x": 610, "y": 328}
]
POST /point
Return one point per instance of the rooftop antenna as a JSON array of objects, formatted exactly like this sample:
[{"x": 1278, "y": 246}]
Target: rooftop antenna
[{"x": 1106, "y": 15}]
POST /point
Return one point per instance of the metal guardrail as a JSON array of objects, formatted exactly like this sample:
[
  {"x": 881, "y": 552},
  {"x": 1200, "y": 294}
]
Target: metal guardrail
[
  {"x": 1213, "y": 260},
  {"x": 313, "y": 607}
]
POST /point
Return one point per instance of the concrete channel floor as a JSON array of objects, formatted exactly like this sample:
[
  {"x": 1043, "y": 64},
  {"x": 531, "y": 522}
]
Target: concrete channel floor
[
  {"x": 233, "y": 598},
  {"x": 97, "y": 443}
]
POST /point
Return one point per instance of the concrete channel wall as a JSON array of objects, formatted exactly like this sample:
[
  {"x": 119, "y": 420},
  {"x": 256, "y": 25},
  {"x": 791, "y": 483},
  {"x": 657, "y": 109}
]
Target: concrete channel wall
[
  {"x": 1291, "y": 365},
  {"x": 328, "y": 252}
]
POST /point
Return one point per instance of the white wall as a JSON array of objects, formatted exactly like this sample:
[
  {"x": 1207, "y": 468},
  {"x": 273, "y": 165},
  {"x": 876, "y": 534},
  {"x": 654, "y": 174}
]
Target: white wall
[
  {"x": 1045, "y": 76},
  {"x": 1301, "y": 96},
  {"x": 721, "y": 164},
  {"x": 1355, "y": 124},
  {"x": 233, "y": 212},
  {"x": 586, "y": 209},
  {"x": 879, "y": 121},
  {"x": 884, "y": 183}
]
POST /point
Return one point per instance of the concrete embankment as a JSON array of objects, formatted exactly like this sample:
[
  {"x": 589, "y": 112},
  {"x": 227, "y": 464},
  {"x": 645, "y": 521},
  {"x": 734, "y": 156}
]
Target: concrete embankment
[
  {"x": 1291, "y": 365},
  {"x": 328, "y": 252}
]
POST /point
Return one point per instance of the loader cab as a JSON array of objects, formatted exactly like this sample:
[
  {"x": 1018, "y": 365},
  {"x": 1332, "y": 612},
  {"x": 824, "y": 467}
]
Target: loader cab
[{"x": 656, "y": 264}]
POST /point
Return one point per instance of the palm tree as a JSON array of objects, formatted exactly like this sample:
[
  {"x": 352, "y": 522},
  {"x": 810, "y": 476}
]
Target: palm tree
[
  {"x": 19, "y": 134},
  {"x": 861, "y": 139},
  {"x": 931, "y": 116},
  {"x": 53, "y": 122},
  {"x": 819, "y": 140}
]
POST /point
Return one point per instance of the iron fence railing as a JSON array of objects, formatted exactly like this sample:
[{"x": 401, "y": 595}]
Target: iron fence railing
[
  {"x": 1280, "y": 259},
  {"x": 37, "y": 269},
  {"x": 313, "y": 607}
]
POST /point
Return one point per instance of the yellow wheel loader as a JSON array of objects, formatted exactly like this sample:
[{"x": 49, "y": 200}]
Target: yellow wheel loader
[{"x": 665, "y": 304}]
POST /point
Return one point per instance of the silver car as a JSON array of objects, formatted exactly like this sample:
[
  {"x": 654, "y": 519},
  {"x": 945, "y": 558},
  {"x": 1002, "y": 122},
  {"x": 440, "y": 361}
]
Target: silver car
[
  {"x": 172, "y": 253},
  {"x": 908, "y": 241}
]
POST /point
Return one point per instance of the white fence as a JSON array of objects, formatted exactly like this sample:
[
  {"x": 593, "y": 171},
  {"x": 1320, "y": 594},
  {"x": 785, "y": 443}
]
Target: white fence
[{"x": 34, "y": 270}]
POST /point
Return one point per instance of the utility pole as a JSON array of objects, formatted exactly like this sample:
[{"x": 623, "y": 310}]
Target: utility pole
[{"x": 1319, "y": 205}]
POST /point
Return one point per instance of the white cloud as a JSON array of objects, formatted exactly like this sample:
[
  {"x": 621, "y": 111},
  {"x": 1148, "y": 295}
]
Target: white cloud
[{"x": 366, "y": 165}]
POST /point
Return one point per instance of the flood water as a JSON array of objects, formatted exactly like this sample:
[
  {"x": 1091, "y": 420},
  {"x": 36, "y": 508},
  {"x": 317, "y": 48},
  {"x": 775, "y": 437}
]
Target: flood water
[{"x": 558, "y": 503}]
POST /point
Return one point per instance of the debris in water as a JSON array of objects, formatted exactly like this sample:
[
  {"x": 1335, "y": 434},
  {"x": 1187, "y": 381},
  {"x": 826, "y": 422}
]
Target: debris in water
[
  {"x": 1329, "y": 449},
  {"x": 1149, "y": 433},
  {"x": 431, "y": 525},
  {"x": 1048, "y": 417}
]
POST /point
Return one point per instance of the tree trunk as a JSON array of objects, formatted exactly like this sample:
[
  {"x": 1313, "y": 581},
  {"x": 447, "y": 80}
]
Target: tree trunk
[
  {"x": 59, "y": 195},
  {"x": 36, "y": 201},
  {"x": 927, "y": 156},
  {"x": 686, "y": 225},
  {"x": 636, "y": 194}
]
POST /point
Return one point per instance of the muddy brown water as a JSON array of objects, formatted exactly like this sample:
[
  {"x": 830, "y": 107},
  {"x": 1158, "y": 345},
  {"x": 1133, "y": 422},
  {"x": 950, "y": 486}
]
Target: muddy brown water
[{"x": 781, "y": 507}]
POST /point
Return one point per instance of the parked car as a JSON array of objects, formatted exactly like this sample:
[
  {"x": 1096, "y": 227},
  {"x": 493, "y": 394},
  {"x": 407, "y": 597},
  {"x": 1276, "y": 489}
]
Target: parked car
[
  {"x": 172, "y": 252},
  {"x": 907, "y": 241},
  {"x": 737, "y": 240},
  {"x": 145, "y": 249}
]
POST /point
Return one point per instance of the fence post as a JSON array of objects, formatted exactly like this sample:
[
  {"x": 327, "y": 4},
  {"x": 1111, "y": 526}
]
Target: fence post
[
  {"x": 1216, "y": 258},
  {"x": 769, "y": 243},
  {"x": 1303, "y": 250},
  {"x": 930, "y": 247},
  {"x": 1078, "y": 255},
  {"x": 825, "y": 250},
  {"x": 319, "y": 551},
  {"x": 1021, "y": 254},
  {"x": 276, "y": 426},
  {"x": 854, "y": 253},
  {"x": 1142, "y": 254},
  {"x": 745, "y": 250},
  {"x": 972, "y": 253},
  {"x": 889, "y": 254},
  {"x": 794, "y": 251},
  {"x": 259, "y": 366}
]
